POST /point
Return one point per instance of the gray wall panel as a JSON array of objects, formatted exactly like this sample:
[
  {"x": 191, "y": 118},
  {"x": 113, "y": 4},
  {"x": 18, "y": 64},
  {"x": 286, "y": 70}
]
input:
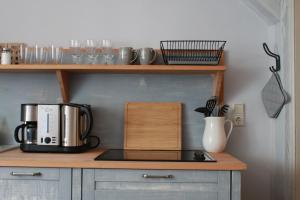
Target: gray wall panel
[{"x": 108, "y": 93}]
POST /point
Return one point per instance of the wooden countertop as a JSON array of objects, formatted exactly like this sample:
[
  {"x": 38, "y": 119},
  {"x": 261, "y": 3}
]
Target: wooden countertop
[{"x": 16, "y": 158}]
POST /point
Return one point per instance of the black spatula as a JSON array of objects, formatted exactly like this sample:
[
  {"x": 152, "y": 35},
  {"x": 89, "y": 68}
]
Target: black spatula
[{"x": 202, "y": 110}]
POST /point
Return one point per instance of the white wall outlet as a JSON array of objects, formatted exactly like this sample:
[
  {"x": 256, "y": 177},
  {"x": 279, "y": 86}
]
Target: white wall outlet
[{"x": 238, "y": 115}]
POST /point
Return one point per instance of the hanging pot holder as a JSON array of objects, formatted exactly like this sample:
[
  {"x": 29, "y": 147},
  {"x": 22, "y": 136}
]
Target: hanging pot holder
[{"x": 274, "y": 97}]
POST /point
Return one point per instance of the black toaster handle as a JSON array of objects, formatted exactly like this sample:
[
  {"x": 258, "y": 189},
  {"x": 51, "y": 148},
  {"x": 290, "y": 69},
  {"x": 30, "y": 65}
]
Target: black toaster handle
[
  {"x": 86, "y": 110},
  {"x": 22, "y": 126}
]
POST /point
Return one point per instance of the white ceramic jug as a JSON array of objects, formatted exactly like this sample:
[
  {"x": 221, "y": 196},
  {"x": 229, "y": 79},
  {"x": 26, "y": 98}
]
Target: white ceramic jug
[{"x": 214, "y": 137}]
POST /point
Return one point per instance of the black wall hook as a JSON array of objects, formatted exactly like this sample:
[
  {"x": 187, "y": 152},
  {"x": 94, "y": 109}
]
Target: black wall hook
[{"x": 276, "y": 56}]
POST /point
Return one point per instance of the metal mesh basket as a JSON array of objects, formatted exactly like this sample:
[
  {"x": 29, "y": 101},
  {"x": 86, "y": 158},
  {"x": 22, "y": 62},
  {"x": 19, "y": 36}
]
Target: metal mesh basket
[{"x": 192, "y": 52}]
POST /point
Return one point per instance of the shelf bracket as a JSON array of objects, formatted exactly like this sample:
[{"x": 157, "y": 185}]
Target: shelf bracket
[
  {"x": 63, "y": 80},
  {"x": 218, "y": 86}
]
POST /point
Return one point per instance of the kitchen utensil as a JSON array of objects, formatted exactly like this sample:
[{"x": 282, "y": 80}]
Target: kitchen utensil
[
  {"x": 152, "y": 126},
  {"x": 75, "y": 49},
  {"x": 214, "y": 136},
  {"x": 127, "y": 55},
  {"x": 192, "y": 52},
  {"x": 223, "y": 110},
  {"x": 210, "y": 105},
  {"x": 147, "y": 56},
  {"x": 202, "y": 110}
]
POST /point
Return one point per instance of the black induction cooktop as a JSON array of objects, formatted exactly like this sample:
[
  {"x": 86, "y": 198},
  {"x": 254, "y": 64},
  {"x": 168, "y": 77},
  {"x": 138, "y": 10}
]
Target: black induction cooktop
[{"x": 155, "y": 155}]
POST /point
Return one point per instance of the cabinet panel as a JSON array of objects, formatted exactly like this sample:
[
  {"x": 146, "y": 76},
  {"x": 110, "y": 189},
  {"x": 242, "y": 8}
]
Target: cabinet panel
[
  {"x": 130, "y": 184},
  {"x": 35, "y": 183},
  {"x": 154, "y": 195}
]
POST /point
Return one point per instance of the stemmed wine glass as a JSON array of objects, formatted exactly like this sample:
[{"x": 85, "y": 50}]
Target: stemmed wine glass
[
  {"x": 91, "y": 48},
  {"x": 107, "y": 51},
  {"x": 75, "y": 48}
]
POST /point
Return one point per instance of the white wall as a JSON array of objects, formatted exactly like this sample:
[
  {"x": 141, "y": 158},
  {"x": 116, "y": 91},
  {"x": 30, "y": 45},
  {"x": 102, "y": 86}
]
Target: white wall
[
  {"x": 141, "y": 23},
  {"x": 269, "y": 10}
]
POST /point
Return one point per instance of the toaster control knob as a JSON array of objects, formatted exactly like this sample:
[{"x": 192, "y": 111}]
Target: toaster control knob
[{"x": 47, "y": 140}]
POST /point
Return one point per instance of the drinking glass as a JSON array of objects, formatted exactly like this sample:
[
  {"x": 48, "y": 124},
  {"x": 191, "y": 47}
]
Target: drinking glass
[
  {"x": 40, "y": 54},
  {"x": 75, "y": 48},
  {"x": 107, "y": 51},
  {"x": 28, "y": 55},
  {"x": 91, "y": 48},
  {"x": 22, "y": 54},
  {"x": 56, "y": 54}
]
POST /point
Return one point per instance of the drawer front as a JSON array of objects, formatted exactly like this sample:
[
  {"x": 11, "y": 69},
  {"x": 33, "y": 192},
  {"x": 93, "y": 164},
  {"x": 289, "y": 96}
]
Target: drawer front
[
  {"x": 30, "y": 173},
  {"x": 35, "y": 183},
  {"x": 155, "y": 184},
  {"x": 156, "y": 176}
]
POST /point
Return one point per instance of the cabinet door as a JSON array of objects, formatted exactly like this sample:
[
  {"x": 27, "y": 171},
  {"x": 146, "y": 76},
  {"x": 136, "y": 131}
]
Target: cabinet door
[
  {"x": 35, "y": 184},
  {"x": 155, "y": 185}
]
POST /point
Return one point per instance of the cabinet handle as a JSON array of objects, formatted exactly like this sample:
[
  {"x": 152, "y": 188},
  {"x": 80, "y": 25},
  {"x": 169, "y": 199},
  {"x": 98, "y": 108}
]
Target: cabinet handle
[
  {"x": 157, "y": 176},
  {"x": 26, "y": 174}
]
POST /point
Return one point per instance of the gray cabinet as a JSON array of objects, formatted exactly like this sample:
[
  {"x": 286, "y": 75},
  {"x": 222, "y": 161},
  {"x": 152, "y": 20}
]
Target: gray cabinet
[
  {"x": 109, "y": 184},
  {"x": 35, "y": 183},
  {"x": 115, "y": 184}
]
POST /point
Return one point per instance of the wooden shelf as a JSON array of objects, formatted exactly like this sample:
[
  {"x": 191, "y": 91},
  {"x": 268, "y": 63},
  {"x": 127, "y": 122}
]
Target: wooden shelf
[
  {"x": 62, "y": 72},
  {"x": 114, "y": 68}
]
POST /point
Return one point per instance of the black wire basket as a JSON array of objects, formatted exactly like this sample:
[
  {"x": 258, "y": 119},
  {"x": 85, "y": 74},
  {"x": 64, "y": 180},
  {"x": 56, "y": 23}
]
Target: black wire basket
[{"x": 192, "y": 52}]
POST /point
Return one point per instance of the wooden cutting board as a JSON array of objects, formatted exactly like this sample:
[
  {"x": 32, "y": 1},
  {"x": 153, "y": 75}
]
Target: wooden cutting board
[{"x": 152, "y": 126}]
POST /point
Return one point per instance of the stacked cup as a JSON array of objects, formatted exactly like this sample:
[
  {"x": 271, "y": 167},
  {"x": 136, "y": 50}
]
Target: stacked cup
[{"x": 40, "y": 55}]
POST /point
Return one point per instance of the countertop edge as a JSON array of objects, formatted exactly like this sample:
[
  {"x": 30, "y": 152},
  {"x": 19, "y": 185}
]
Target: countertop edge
[{"x": 16, "y": 158}]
